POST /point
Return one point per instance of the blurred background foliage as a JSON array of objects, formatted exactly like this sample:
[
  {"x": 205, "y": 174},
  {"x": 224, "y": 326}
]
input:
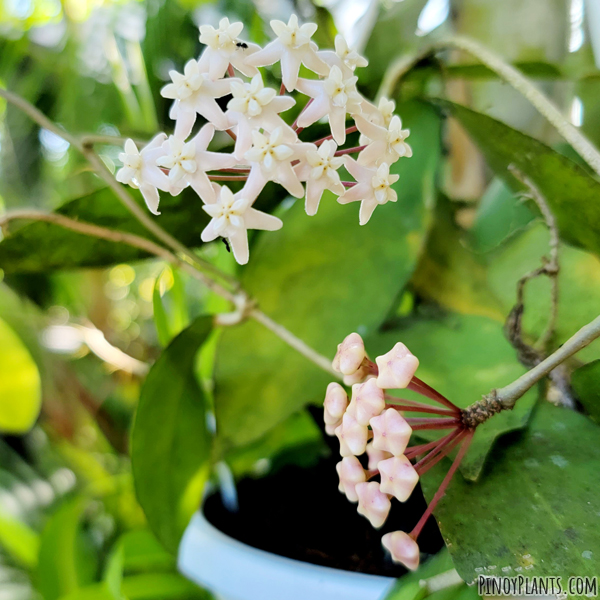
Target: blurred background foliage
[{"x": 83, "y": 322}]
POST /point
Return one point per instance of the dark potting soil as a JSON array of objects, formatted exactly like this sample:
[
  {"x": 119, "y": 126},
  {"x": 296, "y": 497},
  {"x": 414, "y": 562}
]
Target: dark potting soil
[{"x": 299, "y": 513}]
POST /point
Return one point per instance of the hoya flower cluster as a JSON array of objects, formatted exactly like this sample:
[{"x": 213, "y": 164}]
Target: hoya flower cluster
[
  {"x": 371, "y": 422},
  {"x": 266, "y": 147}
]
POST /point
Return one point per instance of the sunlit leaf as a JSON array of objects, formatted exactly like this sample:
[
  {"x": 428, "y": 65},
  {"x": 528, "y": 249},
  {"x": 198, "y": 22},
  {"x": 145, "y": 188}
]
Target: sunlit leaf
[
  {"x": 20, "y": 386},
  {"x": 18, "y": 540},
  {"x": 572, "y": 194},
  {"x": 66, "y": 562},
  {"x": 170, "y": 444}
]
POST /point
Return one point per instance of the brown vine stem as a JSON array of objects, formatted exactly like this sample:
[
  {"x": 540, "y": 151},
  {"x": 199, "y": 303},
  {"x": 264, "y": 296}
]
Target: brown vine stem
[{"x": 512, "y": 76}]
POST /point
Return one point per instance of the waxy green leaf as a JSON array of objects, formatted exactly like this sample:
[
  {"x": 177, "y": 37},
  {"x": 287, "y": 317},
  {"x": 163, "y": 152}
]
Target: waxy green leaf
[
  {"x": 534, "y": 511},
  {"x": 170, "y": 444}
]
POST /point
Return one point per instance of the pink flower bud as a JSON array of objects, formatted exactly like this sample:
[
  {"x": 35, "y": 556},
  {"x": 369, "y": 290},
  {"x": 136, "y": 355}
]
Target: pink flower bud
[
  {"x": 398, "y": 477},
  {"x": 367, "y": 401},
  {"x": 396, "y": 368},
  {"x": 403, "y": 549},
  {"x": 353, "y": 436},
  {"x": 373, "y": 503},
  {"x": 375, "y": 456},
  {"x": 350, "y": 472},
  {"x": 336, "y": 401},
  {"x": 350, "y": 354},
  {"x": 390, "y": 432}
]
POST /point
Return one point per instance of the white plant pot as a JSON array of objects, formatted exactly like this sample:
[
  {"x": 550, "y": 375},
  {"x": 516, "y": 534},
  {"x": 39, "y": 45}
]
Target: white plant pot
[{"x": 234, "y": 571}]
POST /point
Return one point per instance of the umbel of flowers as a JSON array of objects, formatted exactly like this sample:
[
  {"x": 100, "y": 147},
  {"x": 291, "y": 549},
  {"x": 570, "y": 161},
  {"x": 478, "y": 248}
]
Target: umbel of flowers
[
  {"x": 371, "y": 422},
  {"x": 267, "y": 148}
]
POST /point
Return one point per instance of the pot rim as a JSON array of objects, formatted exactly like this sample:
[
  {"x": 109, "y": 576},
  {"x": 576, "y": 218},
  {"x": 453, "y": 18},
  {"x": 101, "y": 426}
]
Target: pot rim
[{"x": 242, "y": 572}]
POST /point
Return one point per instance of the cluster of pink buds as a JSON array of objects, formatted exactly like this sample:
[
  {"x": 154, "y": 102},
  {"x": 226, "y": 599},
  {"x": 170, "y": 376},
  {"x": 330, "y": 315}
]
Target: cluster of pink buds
[
  {"x": 372, "y": 422},
  {"x": 267, "y": 148}
]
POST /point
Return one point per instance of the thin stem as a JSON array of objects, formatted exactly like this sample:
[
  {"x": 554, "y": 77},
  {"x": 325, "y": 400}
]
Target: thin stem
[
  {"x": 442, "y": 489},
  {"x": 330, "y": 137},
  {"x": 295, "y": 123},
  {"x": 294, "y": 342},
  {"x": 416, "y": 403},
  {"x": 231, "y": 134},
  {"x": 440, "y": 451},
  {"x": 233, "y": 170},
  {"x": 435, "y": 424},
  {"x": 508, "y": 395},
  {"x": 230, "y": 70},
  {"x": 350, "y": 150},
  {"x": 115, "y": 235},
  {"x": 514, "y": 77},
  {"x": 416, "y": 385},
  {"x": 421, "y": 409},
  {"x": 349, "y": 184},
  {"x": 414, "y": 451},
  {"x": 282, "y": 89},
  {"x": 228, "y": 177}
]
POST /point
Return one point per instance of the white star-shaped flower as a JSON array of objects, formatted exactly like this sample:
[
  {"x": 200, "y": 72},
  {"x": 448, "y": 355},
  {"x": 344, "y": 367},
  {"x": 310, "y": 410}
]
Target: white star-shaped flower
[
  {"x": 386, "y": 145},
  {"x": 292, "y": 47},
  {"x": 232, "y": 216},
  {"x": 254, "y": 107},
  {"x": 398, "y": 477},
  {"x": 139, "y": 170},
  {"x": 350, "y": 472},
  {"x": 344, "y": 57},
  {"x": 396, "y": 368},
  {"x": 391, "y": 432},
  {"x": 336, "y": 402},
  {"x": 380, "y": 115},
  {"x": 271, "y": 158},
  {"x": 373, "y": 187},
  {"x": 319, "y": 170},
  {"x": 367, "y": 401},
  {"x": 332, "y": 97},
  {"x": 188, "y": 162},
  {"x": 403, "y": 549},
  {"x": 224, "y": 48},
  {"x": 352, "y": 436},
  {"x": 194, "y": 93},
  {"x": 372, "y": 503}
]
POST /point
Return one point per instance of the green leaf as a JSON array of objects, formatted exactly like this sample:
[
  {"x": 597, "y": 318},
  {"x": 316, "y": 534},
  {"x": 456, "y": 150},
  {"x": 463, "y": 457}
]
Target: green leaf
[
  {"x": 322, "y": 277},
  {"x": 452, "y": 276},
  {"x": 500, "y": 214},
  {"x": 65, "y": 561},
  {"x": 20, "y": 385},
  {"x": 170, "y": 444},
  {"x": 40, "y": 247},
  {"x": 143, "y": 552},
  {"x": 578, "y": 283},
  {"x": 586, "y": 383},
  {"x": 463, "y": 357},
  {"x": 113, "y": 573},
  {"x": 409, "y": 587},
  {"x": 533, "y": 512},
  {"x": 149, "y": 586},
  {"x": 162, "y": 586},
  {"x": 18, "y": 540},
  {"x": 572, "y": 194}
]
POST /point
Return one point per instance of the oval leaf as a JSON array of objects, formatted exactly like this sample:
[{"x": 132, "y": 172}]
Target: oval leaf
[{"x": 170, "y": 444}]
